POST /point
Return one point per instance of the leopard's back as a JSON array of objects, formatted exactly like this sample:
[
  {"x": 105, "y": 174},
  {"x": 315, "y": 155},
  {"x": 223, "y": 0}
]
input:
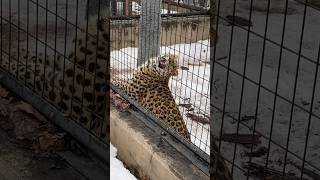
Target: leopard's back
[
  {"x": 151, "y": 91},
  {"x": 159, "y": 100}
]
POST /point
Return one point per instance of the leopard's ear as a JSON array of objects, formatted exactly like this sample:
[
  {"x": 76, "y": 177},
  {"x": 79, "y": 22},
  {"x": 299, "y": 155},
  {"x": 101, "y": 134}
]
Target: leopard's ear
[{"x": 174, "y": 57}]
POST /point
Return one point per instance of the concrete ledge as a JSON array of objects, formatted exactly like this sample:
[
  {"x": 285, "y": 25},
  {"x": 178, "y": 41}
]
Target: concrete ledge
[{"x": 145, "y": 153}]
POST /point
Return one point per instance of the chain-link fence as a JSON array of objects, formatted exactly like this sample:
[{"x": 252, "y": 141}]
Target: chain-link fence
[
  {"x": 184, "y": 36},
  {"x": 55, "y": 49},
  {"x": 265, "y": 88}
]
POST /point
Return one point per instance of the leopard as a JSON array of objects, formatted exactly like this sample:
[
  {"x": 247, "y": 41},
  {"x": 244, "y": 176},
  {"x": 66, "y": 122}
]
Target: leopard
[
  {"x": 75, "y": 83},
  {"x": 149, "y": 87}
]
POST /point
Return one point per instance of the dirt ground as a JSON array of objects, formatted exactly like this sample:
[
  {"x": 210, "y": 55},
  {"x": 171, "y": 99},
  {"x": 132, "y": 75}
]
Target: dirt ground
[
  {"x": 29, "y": 144},
  {"x": 18, "y": 163}
]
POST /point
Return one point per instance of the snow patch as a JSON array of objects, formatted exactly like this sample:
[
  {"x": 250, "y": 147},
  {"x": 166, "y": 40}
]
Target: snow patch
[
  {"x": 137, "y": 9},
  {"x": 117, "y": 170}
]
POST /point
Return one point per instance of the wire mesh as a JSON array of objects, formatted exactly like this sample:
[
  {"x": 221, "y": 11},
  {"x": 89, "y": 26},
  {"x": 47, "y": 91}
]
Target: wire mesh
[
  {"x": 265, "y": 88},
  {"x": 185, "y": 34},
  {"x": 53, "y": 48}
]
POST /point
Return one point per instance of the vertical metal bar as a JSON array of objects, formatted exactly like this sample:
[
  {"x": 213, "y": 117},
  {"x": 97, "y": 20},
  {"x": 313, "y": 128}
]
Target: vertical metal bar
[
  {"x": 260, "y": 79},
  {"x": 55, "y": 45},
  {"x": 277, "y": 82},
  {"x": 85, "y": 56},
  {"x": 294, "y": 89},
  {"x": 10, "y": 29},
  {"x": 27, "y": 55},
  {"x": 242, "y": 86},
  {"x": 36, "y": 51},
  {"x": 18, "y": 53},
  {"x": 126, "y": 7},
  {"x": 148, "y": 13},
  {"x": 75, "y": 55},
  {"x": 65, "y": 49},
  {"x": 310, "y": 113},
  {"x": 18, "y": 48},
  {"x": 97, "y": 64},
  {"x": 45, "y": 49},
  {"x": 205, "y": 89},
  {"x": 196, "y": 75},
  {"x": 226, "y": 86},
  {"x": 214, "y": 28},
  {"x": 1, "y": 33},
  {"x": 107, "y": 100},
  {"x": 191, "y": 73}
]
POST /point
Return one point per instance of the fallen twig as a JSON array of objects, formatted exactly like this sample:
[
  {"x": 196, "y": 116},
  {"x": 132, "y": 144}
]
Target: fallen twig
[
  {"x": 119, "y": 102},
  {"x": 258, "y": 153},
  {"x": 198, "y": 118},
  {"x": 186, "y": 105}
]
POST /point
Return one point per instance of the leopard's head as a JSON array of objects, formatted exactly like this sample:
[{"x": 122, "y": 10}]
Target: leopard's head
[
  {"x": 161, "y": 68},
  {"x": 168, "y": 65}
]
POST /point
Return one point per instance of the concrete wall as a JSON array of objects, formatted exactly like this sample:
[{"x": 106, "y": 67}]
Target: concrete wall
[
  {"x": 180, "y": 30},
  {"x": 145, "y": 154}
]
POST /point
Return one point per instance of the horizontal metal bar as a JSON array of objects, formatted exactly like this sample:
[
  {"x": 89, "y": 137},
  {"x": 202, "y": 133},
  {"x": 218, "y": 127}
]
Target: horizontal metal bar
[{"x": 203, "y": 13}]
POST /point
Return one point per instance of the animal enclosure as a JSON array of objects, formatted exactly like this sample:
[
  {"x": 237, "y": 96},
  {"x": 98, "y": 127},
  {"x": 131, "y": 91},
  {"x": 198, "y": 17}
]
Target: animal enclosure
[
  {"x": 184, "y": 34},
  {"x": 61, "y": 51},
  {"x": 256, "y": 89}
]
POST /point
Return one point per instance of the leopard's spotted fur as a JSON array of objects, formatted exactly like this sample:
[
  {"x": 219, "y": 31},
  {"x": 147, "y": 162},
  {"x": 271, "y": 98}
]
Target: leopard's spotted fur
[
  {"x": 149, "y": 87},
  {"x": 74, "y": 83}
]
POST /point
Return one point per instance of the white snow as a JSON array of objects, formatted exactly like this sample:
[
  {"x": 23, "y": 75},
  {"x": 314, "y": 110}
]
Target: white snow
[
  {"x": 117, "y": 170},
  {"x": 137, "y": 9}
]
